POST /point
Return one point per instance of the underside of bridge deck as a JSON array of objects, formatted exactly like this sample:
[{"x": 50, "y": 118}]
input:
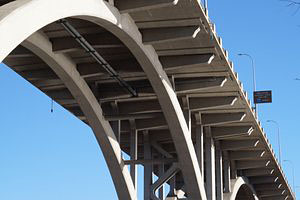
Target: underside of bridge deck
[{"x": 215, "y": 135}]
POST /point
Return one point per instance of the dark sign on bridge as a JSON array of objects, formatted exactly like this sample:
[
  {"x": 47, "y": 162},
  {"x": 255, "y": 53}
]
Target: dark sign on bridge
[{"x": 263, "y": 97}]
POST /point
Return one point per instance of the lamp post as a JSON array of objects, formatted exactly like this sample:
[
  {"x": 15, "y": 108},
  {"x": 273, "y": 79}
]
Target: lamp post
[
  {"x": 278, "y": 137},
  {"x": 253, "y": 73},
  {"x": 293, "y": 168}
]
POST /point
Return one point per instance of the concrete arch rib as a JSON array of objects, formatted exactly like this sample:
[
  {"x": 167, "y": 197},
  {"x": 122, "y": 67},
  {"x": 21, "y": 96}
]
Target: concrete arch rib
[
  {"x": 13, "y": 16},
  {"x": 236, "y": 185}
]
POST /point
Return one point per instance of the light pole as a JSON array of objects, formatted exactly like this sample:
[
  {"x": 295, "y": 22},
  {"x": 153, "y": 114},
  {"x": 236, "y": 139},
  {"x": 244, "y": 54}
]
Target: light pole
[
  {"x": 293, "y": 168},
  {"x": 253, "y": 74},
  {"x": 278, "y": 137}
]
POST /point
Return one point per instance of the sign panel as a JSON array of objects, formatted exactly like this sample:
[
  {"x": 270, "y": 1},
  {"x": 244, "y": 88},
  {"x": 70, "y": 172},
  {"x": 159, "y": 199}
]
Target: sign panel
[{"x": 262, "y": 97}]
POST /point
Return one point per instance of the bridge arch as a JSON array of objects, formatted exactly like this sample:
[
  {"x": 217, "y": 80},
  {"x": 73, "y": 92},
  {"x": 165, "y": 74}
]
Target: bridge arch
[
  {"x": 241, "y": 190},
  {"x": 14, "y": 15}
]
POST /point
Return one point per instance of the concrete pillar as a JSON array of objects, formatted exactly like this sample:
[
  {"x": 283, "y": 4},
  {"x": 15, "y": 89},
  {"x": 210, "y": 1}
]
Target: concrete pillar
[
  {"x": 147, "y": 168},
  {"x": 187, "y": 112},
  {"x": 199, "y": 147},
  {"x": 210, "y": 165},
  {"x": 233, "y": 171},
  {"x": 219, "y": 172},
  {"x": 133, "y": 152},
  {"x": 226, "y": 172},
  {"x": 160, "y": 173}
]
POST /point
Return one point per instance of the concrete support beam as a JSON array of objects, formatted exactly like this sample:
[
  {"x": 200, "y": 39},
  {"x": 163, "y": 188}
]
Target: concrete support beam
[
  {"x": 239, "y": 144},
  {"x": 147, "y": 168},
  {"x": 263, "y": 179},
  {"x": 267, "y": 186},
  {"x": 222, "y": 118},
  {"x": 246, "y": 155},
  {"x": 161, "y": 171},
  {"x": 120, "y": 65},
  {"x": 199, "y": 146},
  {"x": 270, "y": 193},
  {"x": 226, "y": 172},
  {"x": 281, "y": 197},
  {"x": 100, "y": 40},
  {"x": 219, "y": 172},
  {"x": 157, "y": 161},
  {"x": 150, "y": 108},
  {"x": 146, "y": 124},
  {"x": 257, "y": 172},
  {"x": 126, "y": 6},
  {"x": 220, "y": 133},
  {"x": 210, "y": 171},
  {"x": 159, "y": 35},
  {"x": 198, "y": 84},
  {"x": 187, "y": 112},
  {"x": 203, "y": 103},
  {"x": 252, "y": 164},
  {"x": 41, "y": 74},
  {"x": 177, "y": 62},
  {"x": 133, "y": 152}
]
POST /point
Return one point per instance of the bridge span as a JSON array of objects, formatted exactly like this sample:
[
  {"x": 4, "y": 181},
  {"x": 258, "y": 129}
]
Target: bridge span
[{"x": 152, "y": 80}]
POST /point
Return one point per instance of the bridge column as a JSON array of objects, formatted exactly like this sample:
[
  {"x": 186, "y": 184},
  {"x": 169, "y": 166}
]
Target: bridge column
[
  {"x": 219, "y": 171},
  {"x": 161, "y": 171},
  {"x": 210, "y": 165},
  {"x": 133, "y": 152},
  {"x": 147, "y": 168},
  {"x": 199, "y": 147},
  {"x": 226, "y": 171},
  {"x": 187, "y": 112}
]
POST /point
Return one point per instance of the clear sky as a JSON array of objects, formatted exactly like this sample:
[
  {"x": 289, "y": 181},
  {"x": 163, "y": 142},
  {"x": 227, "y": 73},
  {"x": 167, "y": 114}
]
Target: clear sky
[{"x": 55, "y": 156}]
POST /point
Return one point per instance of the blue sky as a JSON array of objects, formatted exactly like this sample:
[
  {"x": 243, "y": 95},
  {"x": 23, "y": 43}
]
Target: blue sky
[{"x": 55, "y": 156}]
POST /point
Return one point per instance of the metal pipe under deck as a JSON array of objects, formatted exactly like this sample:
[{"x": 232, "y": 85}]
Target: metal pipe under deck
[{"x": 99, "y": 59}]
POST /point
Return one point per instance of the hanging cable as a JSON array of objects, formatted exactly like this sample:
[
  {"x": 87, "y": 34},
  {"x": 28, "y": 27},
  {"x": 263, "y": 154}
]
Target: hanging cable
[{"x": 90, "y": 49}]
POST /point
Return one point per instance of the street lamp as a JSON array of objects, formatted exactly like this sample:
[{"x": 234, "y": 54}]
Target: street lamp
[
  {"x": 293, "y": 168},
  {"x": 278, "y": 137},
  {"x": 253, "y": 74}
]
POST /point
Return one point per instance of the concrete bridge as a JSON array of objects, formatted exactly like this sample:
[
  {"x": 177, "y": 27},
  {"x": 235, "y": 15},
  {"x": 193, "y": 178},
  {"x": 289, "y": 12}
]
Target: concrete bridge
[{"x": 152, "y": 80}]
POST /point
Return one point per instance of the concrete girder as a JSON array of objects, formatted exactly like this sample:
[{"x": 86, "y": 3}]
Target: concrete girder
[
  {"x": 121, "y": 66},
  {"x": 174, "y": 52},
  {"x": 198, "y": 84},
  {"x": 222, "y": 118},
  {"x": 270, "y": 193},
  {"x": 126, "y": 6},
  {"x": 169, "y": 23},
  {"x": 183, "y": 61},
  {"x": 239, "y": 144},
  {"x": 246, "y": 155},
  {"x": 152, "y": 105},
  {"x": 257, "y": 172},
  {"x": 220, "y": 133},
  {"x": 169, "y": 34},
  {"x": 263, "y": 179},
  {"x": 100, "y": 40},
  {"x": 42, "y": 74},
  {"x": 267, "y": 186},
  {"x": 203, "y": 103},
  {"x": 281, "y": 197},
  {"x": 251, "y": 164},
  {"x": 123, "y": 27}
]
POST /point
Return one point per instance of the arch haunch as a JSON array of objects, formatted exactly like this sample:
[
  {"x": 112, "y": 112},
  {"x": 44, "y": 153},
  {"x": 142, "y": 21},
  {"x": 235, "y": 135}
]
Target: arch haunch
[{"x": 14, "y": 15}]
